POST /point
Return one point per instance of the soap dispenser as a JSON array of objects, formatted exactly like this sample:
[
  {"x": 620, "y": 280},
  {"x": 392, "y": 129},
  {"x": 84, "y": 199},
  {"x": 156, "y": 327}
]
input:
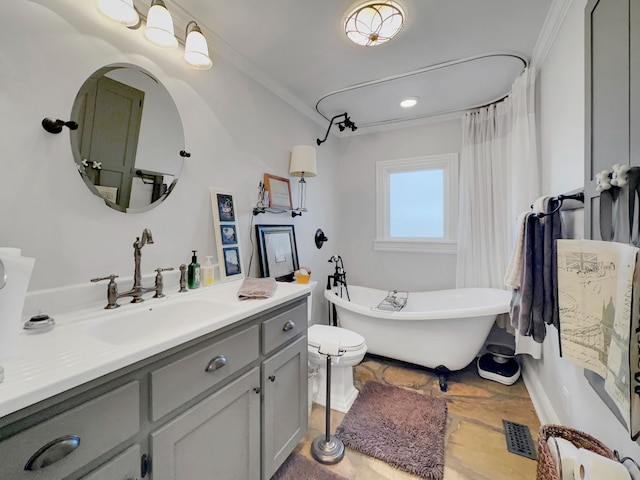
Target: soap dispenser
[
  {"x": 193, "y": 272},
  {"x": 207, "y": 272}
]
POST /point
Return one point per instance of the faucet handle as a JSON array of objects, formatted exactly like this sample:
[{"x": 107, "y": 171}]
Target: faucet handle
[
  {"x": 160, "y": 282},
  {"x": 109, "y": 277},
  {"x": 160, "y": 269},
  {"x": 112, "y": 291}
]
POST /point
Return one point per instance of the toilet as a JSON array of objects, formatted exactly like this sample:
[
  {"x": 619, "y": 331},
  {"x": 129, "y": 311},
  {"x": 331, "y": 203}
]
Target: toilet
[{"x": 343, "y": 393}]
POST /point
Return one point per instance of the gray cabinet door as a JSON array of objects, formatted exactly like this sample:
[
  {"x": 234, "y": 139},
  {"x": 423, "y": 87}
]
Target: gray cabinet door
[
  {"x": 219, "y": 438},
  {"x": 125, "y": 466},
  {"x": 612, "y": 103},
  {"x": 284, "y": 408}
]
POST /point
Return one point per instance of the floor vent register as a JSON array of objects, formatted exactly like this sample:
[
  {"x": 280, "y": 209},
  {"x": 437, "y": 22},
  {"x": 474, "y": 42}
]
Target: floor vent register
[{"x": 519, "y": 439}]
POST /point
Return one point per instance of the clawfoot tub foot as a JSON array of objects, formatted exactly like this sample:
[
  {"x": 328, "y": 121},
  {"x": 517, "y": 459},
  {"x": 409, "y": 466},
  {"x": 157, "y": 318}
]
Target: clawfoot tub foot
[{"x": 443, "y": 377}]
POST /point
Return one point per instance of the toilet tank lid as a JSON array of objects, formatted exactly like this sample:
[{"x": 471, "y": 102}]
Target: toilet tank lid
[{"x": 348, "y": 339}]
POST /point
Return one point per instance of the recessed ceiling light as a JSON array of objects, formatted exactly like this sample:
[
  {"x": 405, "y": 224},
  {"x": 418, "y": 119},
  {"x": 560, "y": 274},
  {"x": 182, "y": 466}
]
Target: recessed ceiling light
[
  {"x": 374, "y": 22},
  {"x": 409, "y": 102}
]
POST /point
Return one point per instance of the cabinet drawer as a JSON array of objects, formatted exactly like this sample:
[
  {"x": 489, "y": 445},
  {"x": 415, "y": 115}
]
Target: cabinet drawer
[
  {"x": 280, "y": 329},
  {"x": 180, "y": 381},
  {"x": 125, "y": 466},
  {"x": 100, "y": 424}
]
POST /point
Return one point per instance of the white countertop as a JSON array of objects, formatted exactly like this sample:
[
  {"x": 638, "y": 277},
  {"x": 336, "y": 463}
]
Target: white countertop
[{"x": 49, "y": 363}]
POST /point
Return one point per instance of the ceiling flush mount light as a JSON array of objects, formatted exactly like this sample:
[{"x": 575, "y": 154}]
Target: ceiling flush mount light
[
  {"x": 409, "y": 102},
  {"x": 196, "y": 51},
  {"x": 374, "y": 22},
  {"x": 121, "y": 11},
  {"x": 159, "y": 29}
]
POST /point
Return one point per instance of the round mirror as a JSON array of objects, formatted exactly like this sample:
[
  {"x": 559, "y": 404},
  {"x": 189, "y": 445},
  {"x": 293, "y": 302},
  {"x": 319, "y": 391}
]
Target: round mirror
[{"x": 129, "y": 145}]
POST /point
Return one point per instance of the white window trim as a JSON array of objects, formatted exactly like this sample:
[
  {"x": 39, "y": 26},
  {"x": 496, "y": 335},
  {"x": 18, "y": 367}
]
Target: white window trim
[{"x": 384, "y": 168}]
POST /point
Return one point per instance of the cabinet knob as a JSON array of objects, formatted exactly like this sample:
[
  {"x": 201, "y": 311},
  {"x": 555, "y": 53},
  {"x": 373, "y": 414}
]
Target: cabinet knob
[
  {"x": 272, "y": 378},
  {"x": 52, "y": 452},
  {"x": 257, "y": 389},
  {"x": 288, "y": 326},
  {"x": 216, "y": 363}
]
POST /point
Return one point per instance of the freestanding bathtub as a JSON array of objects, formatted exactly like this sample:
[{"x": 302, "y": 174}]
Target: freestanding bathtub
[{"x": 443, "y": 330}]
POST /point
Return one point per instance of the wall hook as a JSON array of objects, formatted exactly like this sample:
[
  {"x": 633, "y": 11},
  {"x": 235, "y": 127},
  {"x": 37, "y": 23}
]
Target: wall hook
[{"x": 55, "y": 126}]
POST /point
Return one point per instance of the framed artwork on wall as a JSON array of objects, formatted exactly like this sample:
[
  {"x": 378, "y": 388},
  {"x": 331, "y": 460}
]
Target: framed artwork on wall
[
  {"x": 277, "y": 251},
  {"x": 279, "y": 191},
  {"x": 225, "y": 226}
]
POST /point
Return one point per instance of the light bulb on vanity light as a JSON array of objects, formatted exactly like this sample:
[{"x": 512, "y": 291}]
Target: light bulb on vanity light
[
  {"x": 196, "y": 51},
  {"x": 304, "y": 165},
  {"x": 121, "y": 11},
  {"x": 159, "y": 30}
]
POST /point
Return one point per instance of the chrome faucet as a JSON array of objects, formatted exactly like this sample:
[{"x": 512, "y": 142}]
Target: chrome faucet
[{"x": 137, "y": 290}]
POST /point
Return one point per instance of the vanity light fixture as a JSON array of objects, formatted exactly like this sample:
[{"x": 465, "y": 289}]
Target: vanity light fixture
[
  {"x": 121, "y": 11},
  {"x": 409, "y": 102},
  {"x": 374, "y": 22},
  {"x": 159, "y": 30},
  {"x": 303, "y": 164},
  {"x": 196, "y": 51}
]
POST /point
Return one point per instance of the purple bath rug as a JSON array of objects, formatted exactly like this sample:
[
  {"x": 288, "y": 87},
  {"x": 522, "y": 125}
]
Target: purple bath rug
[
  {"x": 402, "y": 428},
  {"x": 299, "y": 467}
]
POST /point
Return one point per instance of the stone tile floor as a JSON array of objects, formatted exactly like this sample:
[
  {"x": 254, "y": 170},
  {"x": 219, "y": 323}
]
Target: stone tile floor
[{"x": 475, "y": 445}]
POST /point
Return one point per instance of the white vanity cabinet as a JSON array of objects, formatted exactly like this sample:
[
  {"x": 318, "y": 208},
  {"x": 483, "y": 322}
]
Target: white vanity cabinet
[{"x": 229, "y": 405}]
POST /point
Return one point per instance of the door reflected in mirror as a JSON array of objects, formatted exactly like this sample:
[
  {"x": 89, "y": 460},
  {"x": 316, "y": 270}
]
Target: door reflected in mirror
[{"x": 130, "y": 140}]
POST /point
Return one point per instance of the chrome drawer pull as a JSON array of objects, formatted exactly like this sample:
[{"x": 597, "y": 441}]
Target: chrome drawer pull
[
  {"x": 288, "y": 326},
  {"x": 52, "y": 452},
  {"x": 216, "y": 363}
]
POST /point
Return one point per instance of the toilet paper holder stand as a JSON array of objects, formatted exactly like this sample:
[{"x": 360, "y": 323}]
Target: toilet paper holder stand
[{"x": 328, "y": 449}]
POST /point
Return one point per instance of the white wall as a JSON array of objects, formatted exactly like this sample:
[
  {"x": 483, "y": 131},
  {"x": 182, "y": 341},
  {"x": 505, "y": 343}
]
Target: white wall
[
  {"x": 357, "y": 208},
  {"x": 235, "y": 130},
  {"x": 563, "y": 393}
]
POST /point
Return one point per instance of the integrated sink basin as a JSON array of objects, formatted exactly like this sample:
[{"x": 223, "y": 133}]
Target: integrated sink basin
[{"x": 155, "y": 321}]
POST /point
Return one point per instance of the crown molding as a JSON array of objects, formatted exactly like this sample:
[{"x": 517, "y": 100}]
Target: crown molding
[
  {"x": 553, "y": 22},
  {"x": 219, "y": 48}
]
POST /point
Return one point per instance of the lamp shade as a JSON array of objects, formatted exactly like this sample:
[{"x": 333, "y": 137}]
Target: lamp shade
[
  {"x": 159, "y": 29},
  {"x": 121, "y": 11},
  {"x": 303, "y": 161},
  {"x": 196, "y": 50}
]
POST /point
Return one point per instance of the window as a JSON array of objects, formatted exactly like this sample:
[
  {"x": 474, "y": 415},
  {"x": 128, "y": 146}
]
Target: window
[{"x": 417, "y": 204}]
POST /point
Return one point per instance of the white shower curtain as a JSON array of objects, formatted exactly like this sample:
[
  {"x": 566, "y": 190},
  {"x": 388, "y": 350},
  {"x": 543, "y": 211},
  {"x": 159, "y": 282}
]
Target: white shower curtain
[{"x": 499, "y": 177}]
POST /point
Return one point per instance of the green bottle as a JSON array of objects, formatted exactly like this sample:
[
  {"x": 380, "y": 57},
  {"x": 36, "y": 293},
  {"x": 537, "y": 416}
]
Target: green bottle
[{"x": 193, "y": 272}]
